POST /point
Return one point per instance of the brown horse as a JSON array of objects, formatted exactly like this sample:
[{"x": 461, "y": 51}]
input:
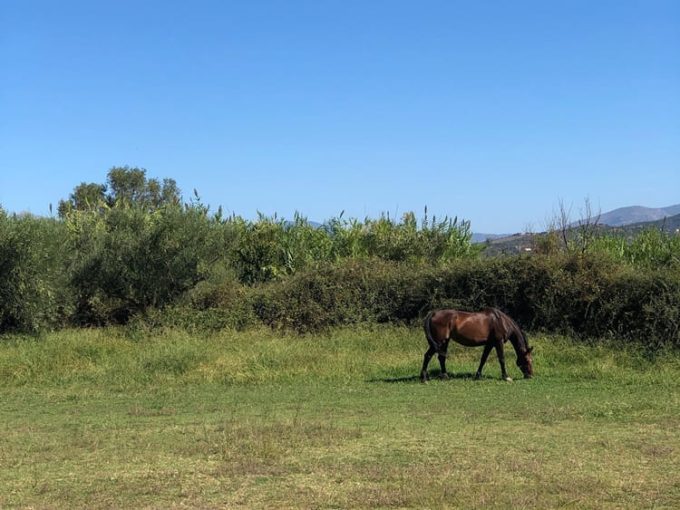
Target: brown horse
[{"x": 490, "y": 328}]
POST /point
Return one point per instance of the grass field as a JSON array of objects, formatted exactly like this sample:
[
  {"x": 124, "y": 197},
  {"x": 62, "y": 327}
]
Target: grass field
[{"x": 101, "y": 418}]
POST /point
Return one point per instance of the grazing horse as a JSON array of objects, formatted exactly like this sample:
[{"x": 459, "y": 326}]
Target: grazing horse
[{"x": 489, "y": 328}]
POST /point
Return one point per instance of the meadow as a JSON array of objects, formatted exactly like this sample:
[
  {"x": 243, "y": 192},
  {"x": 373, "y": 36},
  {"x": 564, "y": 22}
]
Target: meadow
[{"x": 119, "y": 418}]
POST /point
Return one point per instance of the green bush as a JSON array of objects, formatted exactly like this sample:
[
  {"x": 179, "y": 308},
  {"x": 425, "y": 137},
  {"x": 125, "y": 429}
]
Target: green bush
[
  {"x": 34, "y": 291},
  {"x": 126, "y": 260},
  {"x": 159, "y": 264},
  {"x": 348, "y": 292},
  {"x": 583, "y": 295},
  {"x": 642, "y": 306},
  {"x": 270, "y": 248}
]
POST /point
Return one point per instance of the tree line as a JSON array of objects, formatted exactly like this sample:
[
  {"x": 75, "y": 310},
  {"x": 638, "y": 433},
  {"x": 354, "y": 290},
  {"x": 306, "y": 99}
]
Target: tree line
[{"x": 132, "y": 249}]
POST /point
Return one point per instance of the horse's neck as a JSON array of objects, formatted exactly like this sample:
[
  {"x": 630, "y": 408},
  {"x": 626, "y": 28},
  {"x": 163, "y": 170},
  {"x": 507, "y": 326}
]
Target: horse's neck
[{"x": 517, "y": 342}]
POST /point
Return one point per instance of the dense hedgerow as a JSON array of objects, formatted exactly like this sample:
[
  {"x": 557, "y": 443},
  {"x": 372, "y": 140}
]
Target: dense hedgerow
[
  {"x": 108, "y": 259},
  {"x": 588, "y": 296},
  {"x": 177, "y": 265}
]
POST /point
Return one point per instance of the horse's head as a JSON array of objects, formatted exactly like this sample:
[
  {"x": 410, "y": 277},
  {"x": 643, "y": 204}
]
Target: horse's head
[{"x": 526, "y": 364}]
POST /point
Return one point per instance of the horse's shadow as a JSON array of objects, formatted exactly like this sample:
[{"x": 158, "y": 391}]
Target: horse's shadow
[{"x": 434, "y": 376}]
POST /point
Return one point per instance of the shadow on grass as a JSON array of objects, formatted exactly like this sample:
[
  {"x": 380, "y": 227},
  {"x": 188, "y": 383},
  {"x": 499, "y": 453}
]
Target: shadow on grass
[{"x": 433, "y": 376}]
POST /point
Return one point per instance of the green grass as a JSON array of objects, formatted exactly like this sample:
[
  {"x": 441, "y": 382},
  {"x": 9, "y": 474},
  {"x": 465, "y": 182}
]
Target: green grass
[{"x": 105, "y": 419}]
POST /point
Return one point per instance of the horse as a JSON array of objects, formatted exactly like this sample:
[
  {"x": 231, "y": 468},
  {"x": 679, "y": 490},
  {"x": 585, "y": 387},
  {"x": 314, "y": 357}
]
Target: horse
[{"x": 489, "y": 328}]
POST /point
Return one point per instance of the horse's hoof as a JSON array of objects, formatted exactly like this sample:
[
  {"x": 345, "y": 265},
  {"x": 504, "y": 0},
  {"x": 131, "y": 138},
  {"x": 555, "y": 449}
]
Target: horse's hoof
[
  {"x": 478, "y": 377},
  {"x": 508, "y": 379},
  {"x": 444, "y": 377}
]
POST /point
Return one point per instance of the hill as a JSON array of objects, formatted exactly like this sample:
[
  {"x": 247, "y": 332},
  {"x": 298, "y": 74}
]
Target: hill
[
  {"x": 519, "y": 243},
  {"x": 667, "y": 224},
  {"x": 480, "y": 238},
  {"x": 637, "y": 214}
]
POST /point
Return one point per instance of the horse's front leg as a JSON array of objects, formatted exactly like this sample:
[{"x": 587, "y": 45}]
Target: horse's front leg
[
  {"x": 426, "y": 360},
  {"x": 487, "y": 349},
  {"x": 501, "y": 360},
  {"x": 442, "y": 360}
]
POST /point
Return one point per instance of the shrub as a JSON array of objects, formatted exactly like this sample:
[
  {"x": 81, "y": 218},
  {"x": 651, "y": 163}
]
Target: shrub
[
  {"x": 348, "y": 292},
  {"x": 127, "y": 260},
  {"x": 34, "y": 291},
  {"x": 170, "y": 265},
  {"x": 584, "y": 295}
]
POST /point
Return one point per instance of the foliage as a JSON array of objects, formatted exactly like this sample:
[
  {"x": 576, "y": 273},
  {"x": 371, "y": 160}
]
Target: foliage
[
  {"x": 127, "y": 260},
  {"x": 34, "y": 292},
  {"x": 648, "y": 248},
  {"x": 330, "y": 295},
  {"x": 128, "y": 250},
  {"x": 125, "y": 187},
  {"x": 271, "y": 248},
  {"x": 404, "y": 241},
  {"x": 589, "y": 296}
]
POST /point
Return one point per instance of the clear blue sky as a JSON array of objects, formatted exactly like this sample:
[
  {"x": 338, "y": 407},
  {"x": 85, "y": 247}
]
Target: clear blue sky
[{"x": 489, "y": 110}]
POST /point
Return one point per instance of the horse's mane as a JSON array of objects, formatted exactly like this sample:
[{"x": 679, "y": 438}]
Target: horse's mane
[{"x": 511, "y": 328}]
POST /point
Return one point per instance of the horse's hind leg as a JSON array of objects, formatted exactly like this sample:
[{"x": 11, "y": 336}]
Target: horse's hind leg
[
  {"x": 426, "y": 360},
  {"x": 485, "y": 355}
]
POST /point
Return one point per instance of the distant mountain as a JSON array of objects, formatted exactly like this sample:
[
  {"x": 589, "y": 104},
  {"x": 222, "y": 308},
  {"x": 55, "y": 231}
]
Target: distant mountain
[
  {"x": 523, "y": 243},
  {"x": 637, "y": 214},
  {"x": 481, "y": 238},
  {"x": 667, "y": 224},
  {"x": 313, "y": 224},
  {"x": 620, "y": 217}
]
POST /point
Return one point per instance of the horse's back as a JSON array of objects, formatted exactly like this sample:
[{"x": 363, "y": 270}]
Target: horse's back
[
  {"x": 466, "y": 328},
  {"x": 474, "y": 328},
  {"x": 441, "y": 324}
]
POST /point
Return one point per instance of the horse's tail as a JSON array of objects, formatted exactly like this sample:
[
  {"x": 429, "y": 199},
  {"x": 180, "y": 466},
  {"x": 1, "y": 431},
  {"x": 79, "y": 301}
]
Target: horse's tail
[{"x": 428, "y": 333}]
